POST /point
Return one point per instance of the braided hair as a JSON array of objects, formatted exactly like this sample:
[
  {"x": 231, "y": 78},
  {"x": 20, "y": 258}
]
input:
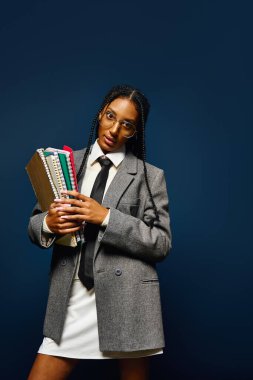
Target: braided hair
[{"x": 135, "y": 144}]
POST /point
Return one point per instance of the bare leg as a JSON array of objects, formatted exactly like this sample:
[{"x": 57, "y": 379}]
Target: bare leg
[
  {"x": 134, "y": 369},
  {"x": 48, "y": 367}
]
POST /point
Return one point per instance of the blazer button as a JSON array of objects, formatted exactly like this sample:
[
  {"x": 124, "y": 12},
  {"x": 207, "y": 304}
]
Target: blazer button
[
  {"x": 118, "y": 272},
  {"x": 63, "y": 262}
]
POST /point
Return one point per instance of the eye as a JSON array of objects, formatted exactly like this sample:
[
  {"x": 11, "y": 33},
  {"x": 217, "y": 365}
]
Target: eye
[
  {"x": 127, "y": 125},
  {"x": 110, "y": 115}
]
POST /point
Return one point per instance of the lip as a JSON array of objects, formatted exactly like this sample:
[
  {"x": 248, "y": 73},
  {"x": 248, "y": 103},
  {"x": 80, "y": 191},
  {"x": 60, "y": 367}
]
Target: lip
[{"x": 109, "y": 141}]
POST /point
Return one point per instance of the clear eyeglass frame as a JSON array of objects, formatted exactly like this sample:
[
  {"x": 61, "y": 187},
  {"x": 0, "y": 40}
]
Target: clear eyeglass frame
[{"x": 128, "y": 129}]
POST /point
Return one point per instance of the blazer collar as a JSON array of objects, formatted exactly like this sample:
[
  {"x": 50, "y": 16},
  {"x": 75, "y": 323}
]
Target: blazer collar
[
  {"x": 121, "y": 180},
  {"x": 129, "y": 164}
]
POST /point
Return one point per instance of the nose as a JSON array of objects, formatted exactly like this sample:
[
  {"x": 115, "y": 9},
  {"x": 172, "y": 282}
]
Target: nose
[{"x": 115, "y": 128}]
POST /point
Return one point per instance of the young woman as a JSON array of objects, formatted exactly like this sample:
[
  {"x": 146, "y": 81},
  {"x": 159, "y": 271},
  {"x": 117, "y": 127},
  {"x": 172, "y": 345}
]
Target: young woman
[{"x": 104, "y": 298}]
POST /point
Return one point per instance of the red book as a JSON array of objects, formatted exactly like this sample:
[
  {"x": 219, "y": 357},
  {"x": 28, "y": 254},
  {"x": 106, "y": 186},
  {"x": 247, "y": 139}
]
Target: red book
[{"x": 72, "y": 161}]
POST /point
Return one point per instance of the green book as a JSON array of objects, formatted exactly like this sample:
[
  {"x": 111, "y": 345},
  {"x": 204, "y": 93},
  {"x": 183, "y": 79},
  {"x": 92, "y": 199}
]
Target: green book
[{"x": 64, "y": 165}]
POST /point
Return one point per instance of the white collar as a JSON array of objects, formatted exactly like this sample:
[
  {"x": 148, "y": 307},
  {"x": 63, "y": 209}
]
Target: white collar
[{"x": 116, "y": 156}]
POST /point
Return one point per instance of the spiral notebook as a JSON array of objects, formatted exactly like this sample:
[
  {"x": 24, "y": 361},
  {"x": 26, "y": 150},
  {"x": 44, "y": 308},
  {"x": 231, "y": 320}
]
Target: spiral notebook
[{"x": 50, "y": 171}]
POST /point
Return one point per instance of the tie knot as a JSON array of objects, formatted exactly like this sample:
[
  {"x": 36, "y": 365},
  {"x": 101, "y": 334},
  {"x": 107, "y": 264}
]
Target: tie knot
[{"x": 104, "y": 161}]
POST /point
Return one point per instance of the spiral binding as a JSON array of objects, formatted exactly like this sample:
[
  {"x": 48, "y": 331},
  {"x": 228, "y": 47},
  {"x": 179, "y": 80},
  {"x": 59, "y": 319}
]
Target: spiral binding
[{"x": 41, "y": 154}]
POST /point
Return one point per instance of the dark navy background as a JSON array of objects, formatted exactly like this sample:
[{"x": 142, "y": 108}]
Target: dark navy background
[{"x": 193, "y": 59}]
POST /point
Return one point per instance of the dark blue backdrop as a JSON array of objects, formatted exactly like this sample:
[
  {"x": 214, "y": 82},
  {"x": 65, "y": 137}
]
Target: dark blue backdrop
[{"x": 193, "y": 59}]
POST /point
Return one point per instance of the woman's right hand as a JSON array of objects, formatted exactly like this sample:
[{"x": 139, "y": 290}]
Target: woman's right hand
[{"x": 58, "y": 225}]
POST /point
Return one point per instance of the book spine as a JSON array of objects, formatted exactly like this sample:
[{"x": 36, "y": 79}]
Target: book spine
[
  {"x": 72, "y": 160},
  {"x": 71, "y": 174},
  {"x": 53, "y": 173},
  {"x": 67, "y": 167},
  {"x": 67, "y": 178},
  {"x": 59, "y": 169},
  {"x": 63, "y": 161},
  {"x": 43, "y": 159},
  {"x": 58, "y": 174}
]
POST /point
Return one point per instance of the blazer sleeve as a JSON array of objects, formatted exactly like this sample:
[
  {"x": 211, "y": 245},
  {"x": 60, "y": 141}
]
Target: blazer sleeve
[
  {"x": 35, "y": 229},
  {"x": 146, "y": 239}
]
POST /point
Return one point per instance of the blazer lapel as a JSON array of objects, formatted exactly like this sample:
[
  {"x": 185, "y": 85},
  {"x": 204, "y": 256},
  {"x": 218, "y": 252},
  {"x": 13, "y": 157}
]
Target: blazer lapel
[{"x": 121, "y": 181}]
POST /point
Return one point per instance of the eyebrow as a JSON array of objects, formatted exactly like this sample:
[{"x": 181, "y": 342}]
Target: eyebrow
[{"x": 130, "y": 120}]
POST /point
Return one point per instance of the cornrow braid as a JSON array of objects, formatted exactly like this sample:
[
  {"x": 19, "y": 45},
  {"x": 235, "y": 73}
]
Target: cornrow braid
[
  {"x": 136, "y": 144},
  {"x": 144, "y": 158},
  {"x": 94, "y": 123}
]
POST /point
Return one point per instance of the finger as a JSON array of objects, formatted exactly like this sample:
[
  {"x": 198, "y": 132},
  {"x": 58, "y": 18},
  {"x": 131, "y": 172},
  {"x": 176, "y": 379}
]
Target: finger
[
  {"x": 70, "y": 210},
  {"x": 53, "y": 205},
  {"x": 69, "y": 224},
  {"x": 69, "y": 192},
  {"x": 53, "y": 212},
  {"x": 78, "y": 218},
  {"x": 75, "y": 194},
  {"x": 59, "y": 214},
  {"x": 70, "y": 230},
  {"x": 62, "y": 207},
  {"x": 69, "y": 201}
]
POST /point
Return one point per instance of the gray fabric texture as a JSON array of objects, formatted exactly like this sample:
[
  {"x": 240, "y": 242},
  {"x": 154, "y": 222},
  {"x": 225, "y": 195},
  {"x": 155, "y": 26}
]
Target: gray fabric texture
[{"x": 126, "y": 252}]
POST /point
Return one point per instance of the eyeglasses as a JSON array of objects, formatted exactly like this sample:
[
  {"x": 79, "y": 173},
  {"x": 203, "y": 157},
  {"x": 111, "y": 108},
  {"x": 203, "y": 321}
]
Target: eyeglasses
[{"x": 109, "y": 119}]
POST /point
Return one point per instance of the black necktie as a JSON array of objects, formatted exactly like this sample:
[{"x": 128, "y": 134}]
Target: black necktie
[{"x": 85, "y": 272}]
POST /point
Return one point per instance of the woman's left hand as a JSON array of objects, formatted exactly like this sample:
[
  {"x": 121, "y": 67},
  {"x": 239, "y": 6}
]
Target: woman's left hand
[{"x": 84, "y": 209}]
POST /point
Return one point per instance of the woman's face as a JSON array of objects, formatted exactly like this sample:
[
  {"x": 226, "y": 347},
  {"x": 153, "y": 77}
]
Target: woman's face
[{"x": 112, "y": 138}]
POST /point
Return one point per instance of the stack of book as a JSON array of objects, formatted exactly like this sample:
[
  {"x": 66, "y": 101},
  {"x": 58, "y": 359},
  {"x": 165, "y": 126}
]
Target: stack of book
[{"x": 50, "y": 171}]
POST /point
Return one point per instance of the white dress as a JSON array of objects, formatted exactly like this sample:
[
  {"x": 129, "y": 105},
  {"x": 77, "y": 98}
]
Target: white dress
[{"x": 80, "y": 332}]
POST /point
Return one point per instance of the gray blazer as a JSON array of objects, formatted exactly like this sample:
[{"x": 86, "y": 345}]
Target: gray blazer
[{"x": 126, "y": 252}]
